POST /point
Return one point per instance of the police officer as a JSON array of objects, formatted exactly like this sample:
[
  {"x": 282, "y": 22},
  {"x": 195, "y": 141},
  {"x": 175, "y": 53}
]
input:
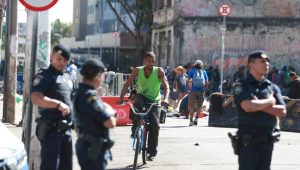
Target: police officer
[
  {"x": 51, "y": 92},
  {"x": 92, "y": 119},
  {"x": 259, "y": 103}
]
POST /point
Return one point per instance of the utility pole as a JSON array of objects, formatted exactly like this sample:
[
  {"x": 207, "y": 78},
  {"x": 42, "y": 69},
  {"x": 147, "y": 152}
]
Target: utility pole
[
  {"x": 27, "y": 80},
  {"x": 42, "y": 60},
  {"x": 7, "y": 54},
  {"x": 1, "y": 24},
  {"x": 11, "y": 64}
]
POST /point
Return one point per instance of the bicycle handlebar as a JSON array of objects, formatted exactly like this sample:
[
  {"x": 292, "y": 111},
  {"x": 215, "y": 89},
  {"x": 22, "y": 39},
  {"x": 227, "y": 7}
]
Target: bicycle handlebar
[{"x": 133, "y": 108}]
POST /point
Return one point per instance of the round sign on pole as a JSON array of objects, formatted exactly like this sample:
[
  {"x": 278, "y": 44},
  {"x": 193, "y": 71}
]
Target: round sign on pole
[
  {"x": 116, "y": 34},
  {"x": 38, "y": 5},
  {"x": 224, "y": 10}
]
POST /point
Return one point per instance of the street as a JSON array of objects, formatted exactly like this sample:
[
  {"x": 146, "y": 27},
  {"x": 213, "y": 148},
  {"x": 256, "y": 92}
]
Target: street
[{"x": 177, "y": 149}]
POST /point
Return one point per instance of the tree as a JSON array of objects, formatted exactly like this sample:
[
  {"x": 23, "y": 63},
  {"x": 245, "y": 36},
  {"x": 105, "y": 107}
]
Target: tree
[
  {"x": 59, "y": 28},
  {"x": 140, "y": 14}
]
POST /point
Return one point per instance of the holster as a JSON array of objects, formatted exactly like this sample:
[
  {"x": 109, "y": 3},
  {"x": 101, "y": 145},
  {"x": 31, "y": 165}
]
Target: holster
[
  {"x": 43, "y": 128},
  {"x": 275, "y": 137},
  {"x": 234, "y": 143},
  {"x": 63, "y": 125},
  {"x": 96, "y": 145}
]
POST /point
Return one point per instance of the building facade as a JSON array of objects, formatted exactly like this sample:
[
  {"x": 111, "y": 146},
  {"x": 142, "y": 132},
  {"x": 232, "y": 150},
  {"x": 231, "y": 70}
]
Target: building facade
[
  {"x": 188, "y": 30},
  {"x": 93, "y": 25}
]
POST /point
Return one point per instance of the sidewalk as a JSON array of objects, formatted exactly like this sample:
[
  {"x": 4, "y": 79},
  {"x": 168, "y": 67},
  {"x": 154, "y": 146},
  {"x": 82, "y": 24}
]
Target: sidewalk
[{"x": 177, "y": 149}]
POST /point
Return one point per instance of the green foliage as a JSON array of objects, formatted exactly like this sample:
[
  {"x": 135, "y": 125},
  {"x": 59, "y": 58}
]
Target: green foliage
[
  {"x": 64, "y": 29},
  {"x": 140, "y": 14}
]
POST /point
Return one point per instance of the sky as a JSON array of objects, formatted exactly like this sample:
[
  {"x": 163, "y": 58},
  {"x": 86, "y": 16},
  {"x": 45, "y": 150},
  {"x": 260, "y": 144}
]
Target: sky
[{"x": 62, "y": 10}]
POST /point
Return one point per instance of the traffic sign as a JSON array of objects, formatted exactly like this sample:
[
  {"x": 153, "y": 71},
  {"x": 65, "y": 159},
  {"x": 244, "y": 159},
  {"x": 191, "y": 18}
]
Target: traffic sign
[
  {"x": 38, "y": 5},
  {"x": 224, "y": 10},
  {"x": 116, "y": 34}
]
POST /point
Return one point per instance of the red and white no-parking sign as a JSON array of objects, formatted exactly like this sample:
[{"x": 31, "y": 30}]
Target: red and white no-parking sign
[
  {"x": 224, "y": 10},
  {"x": 116, "y": 34},
  {"x": 38, "y": 5}
]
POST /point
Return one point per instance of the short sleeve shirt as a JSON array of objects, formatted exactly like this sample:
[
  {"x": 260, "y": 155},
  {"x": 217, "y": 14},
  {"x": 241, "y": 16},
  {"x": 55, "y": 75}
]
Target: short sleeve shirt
[{"x": 191, "y": 75}]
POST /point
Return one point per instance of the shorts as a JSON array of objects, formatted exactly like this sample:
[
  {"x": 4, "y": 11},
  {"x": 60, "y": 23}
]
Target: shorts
[{"x": 196, "y": 97}]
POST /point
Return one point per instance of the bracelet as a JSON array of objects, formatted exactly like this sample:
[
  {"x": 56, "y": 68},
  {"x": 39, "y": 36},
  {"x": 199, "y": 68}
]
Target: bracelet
[{"x": 58, "y": 105}]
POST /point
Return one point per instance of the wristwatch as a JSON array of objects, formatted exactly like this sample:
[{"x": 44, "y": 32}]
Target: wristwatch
[
  {"x": 116, "y": 114},
  {"x": 58, "y": 105}
]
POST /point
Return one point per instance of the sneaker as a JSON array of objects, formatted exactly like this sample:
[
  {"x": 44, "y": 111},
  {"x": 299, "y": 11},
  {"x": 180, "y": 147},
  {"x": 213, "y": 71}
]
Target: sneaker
[
  {"x": 131, "y": 136},
  {"x": 195, "y": 121},
  {"x": 151, "y": 158},
  {"x": 191, "y": 123}
]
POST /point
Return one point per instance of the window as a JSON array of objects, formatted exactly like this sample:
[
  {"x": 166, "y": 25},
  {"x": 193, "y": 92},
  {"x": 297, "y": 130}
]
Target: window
[
  {"x": 76, "y": 31},
  {"x": 112, "y": 26},
  {"x": 169, "y": 3},
  {"x": 116, "y": 25},
  {"x": 77, "y": 11}
]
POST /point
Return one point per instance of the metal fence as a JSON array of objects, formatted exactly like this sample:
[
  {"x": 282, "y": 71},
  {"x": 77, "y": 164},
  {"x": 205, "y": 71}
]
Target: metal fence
[{"x": 112, "y": 84}]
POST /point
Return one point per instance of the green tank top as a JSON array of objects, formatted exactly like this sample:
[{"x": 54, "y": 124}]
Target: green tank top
[{"x": 149, "y": 87}]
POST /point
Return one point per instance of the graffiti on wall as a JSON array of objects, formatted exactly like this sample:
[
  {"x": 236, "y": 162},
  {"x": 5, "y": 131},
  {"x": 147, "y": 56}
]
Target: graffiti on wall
[
  {"x": 283, "y": 47},
  {"x": 195, "y": 8},
  {"x": 42, "y": 52}
]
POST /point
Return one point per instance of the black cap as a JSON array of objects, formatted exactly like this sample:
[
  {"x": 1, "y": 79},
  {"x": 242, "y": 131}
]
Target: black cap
[
  {"x": 258, "y": 54},
  {"x": 92, "y": 66},
  {"x": 63, "y": 50}
]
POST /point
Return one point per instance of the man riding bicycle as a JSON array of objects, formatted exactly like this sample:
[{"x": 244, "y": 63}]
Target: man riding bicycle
[{"x": 149, "y": 79}]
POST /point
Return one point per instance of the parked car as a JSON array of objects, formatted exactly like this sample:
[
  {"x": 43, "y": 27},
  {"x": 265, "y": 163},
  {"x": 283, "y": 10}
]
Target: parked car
[{"x": 13, "y": 155}]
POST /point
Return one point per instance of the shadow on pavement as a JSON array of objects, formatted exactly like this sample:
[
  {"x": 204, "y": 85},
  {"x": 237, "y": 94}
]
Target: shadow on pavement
[{"x": 142, "y": 166}]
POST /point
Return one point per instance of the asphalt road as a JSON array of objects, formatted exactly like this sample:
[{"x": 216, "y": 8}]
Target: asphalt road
[{"x": 177, "y": 149}]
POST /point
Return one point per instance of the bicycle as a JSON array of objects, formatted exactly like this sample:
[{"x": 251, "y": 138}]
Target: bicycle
[{"x": 140, "y": 142}]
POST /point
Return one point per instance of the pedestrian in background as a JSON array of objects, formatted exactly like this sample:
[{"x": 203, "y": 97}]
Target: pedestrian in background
[
  {"x": 20, "y": 77},
  {"x": 196, "y": 96},
  {"x": 295, "y": 87},
  {"x": 180, "y": 82},
  {"x": 72, "y": 71},
  {"x": 216, "y": 79}
]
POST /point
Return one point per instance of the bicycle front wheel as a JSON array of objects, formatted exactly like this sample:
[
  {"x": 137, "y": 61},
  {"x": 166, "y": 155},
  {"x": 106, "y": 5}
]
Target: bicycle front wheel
[
  {"x": 145, "y": 144},
  {"x": 137, "y": 148}
]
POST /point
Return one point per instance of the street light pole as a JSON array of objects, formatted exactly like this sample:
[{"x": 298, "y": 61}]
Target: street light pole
[{"x": 223, "y": 51}]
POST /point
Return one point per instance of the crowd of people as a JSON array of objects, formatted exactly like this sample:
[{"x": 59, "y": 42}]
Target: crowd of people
[{"x": 286, "y": 79}]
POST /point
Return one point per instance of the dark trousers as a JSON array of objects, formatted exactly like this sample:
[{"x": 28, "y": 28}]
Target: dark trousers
[
  {"x": 139, "y": 101},
  {"x": 56, "y": 152},
  {"x": 216, "y": 86},
  {"x": 82, "y": 148},
  {"x": 255, "y": 157}
]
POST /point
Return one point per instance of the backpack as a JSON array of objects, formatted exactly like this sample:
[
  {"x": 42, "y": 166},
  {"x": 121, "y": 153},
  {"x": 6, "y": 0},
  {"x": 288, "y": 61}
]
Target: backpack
[{"x": 198, "y": 79}]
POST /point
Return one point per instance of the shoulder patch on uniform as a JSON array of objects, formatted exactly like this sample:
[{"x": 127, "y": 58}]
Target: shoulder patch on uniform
[
  {"x": 90, "y": 99},
  {"x": 236, "y": 84},
  {"x": 39, "y": 76},
  {"x": 36, "y": 81},
  {"x": 238, "y": 89},
  {"x": 98, "y": 105}
]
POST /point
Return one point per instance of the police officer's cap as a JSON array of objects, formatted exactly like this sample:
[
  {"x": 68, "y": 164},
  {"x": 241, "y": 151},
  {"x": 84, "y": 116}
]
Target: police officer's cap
[
  {"x": 258, "y": 54},
  {"x": 92, "y": 67},
  {"x": 63, "y": 50}
]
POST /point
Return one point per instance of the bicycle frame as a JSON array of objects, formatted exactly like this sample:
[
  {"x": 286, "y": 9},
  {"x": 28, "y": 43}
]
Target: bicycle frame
[{"x": 144, "y": 119}]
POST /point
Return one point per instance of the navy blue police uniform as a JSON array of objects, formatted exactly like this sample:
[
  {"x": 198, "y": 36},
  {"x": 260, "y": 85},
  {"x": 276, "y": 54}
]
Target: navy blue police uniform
[
  {"x": 89, "y": 116},
  {"x": 255, "y": 129},
  {"x": 56, "y": 146}
]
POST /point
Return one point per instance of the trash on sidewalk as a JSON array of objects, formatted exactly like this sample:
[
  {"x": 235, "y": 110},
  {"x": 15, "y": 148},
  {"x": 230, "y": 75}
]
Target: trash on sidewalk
[{"x": 19, "y": 98}]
